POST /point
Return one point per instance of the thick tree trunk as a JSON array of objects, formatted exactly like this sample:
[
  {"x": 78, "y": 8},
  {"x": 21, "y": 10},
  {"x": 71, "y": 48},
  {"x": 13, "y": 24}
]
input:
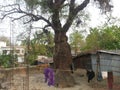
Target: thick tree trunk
[{"x": 62, "y": 61}]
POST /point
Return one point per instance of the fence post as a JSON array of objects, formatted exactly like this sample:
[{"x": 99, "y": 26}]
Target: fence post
[{"x": 110, "y": 80}]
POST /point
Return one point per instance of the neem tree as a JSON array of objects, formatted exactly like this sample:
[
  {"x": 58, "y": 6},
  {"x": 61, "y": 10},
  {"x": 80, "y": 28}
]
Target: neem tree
[{"x": 59, "y": 15}]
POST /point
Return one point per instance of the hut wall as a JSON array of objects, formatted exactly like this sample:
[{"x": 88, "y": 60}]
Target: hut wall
[
  {"x": 82, "y": 62},
  {"x": 108, "y": 62}
]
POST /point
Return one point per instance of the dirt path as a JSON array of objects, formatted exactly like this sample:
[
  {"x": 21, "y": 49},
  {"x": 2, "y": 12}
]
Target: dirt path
[
  {"x": 82, "y": 85},
  {"x": 36, "y": 82},
  {"x": 18, "y": 81}
]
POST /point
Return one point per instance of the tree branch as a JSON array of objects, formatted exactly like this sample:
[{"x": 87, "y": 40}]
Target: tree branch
[
  {"x": 19, "y": 10},
  {"x": 55, "y": 16},
  {"x": 82, "y": 6},
  {"x": 14, "y": 19},
  {"x": 7, "y": 14},
  {"x": 62, "y": 1},
  {"x": 70, "y": 17},
  {"x": 50, "y": 4},
  {"x": 73, "y": 12},
  {"x": 58, "y": 3}
]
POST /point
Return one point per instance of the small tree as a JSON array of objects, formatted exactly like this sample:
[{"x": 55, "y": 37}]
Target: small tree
[
  {"x": 7, "y": 61},
  {"x": 40, "y": 44},
  {"x": 76, "y": 42}
]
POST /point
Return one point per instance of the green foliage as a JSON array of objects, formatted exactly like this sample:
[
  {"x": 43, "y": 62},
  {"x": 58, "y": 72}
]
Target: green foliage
[
  {"x": 41, "y": 44},
  {"x": 6, "y": 60},
  {"x": 76, "y": 41},
  {"x": 105, "y": 38},
  {"x": 42, "y": 4},
  {"x": 111, "y": 38},
  {"x": 92, "y": 40},
  {"x": 104, "y": 5},
  {"x": 32, "y": 3}
]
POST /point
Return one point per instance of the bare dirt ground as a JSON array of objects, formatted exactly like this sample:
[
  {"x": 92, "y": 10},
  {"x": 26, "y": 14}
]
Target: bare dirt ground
[
  {"x": 36, "y": 82},
  {"x": 19, "y": 81}
]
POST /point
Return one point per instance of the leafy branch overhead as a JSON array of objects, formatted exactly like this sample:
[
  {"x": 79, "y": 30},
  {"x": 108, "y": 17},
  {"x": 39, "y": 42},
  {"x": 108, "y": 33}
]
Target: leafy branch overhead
[
  {"x": 15, "y": 8},
  {"x": 54, "y": 7},
  {"x": 8, "y": 10}
]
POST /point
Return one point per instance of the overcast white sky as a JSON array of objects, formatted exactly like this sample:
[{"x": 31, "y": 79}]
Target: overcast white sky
[{"x": 95, "y": 17}]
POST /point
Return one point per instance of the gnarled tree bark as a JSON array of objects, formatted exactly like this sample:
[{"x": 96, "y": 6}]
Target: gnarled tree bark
[{"x": 62, "y": 61}]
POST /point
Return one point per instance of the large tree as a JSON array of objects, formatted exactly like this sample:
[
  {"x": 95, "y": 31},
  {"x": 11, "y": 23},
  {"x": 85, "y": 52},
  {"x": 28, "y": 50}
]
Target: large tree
[{"x": 60, "y": 16}]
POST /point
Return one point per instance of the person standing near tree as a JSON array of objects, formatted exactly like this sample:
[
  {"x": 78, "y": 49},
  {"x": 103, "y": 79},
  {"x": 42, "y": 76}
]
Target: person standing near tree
[{"x": 49, "y": 76}]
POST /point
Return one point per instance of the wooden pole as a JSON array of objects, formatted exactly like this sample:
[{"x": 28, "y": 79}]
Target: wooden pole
[{"x": 110, "y": 80}]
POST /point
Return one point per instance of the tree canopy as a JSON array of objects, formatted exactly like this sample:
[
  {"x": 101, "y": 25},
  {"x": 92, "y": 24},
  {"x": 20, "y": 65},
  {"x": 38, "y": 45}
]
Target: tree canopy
[
  {"x": 104, "y": 38},
  {"x": 76, "y": 41}
]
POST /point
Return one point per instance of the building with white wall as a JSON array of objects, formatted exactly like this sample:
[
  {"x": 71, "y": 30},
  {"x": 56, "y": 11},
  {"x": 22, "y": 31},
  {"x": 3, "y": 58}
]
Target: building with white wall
[
  {"x": 15, "y": 50},
  {"x": 2, "y": 44}
]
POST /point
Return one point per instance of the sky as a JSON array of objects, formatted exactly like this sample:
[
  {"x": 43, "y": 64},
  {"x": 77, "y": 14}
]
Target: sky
[
  {"x": 96, "y": 18},
  {"x": 116, "y": 9}
]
